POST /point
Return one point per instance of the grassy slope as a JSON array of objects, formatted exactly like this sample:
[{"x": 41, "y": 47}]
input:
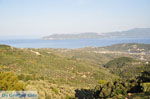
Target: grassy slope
[{"x": 50, "y": 66}]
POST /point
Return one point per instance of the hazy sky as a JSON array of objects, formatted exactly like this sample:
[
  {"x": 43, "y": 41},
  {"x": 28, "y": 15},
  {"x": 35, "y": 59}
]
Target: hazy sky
[{"x": 44, "y": 17}]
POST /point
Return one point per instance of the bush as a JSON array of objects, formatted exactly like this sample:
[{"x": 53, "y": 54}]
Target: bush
[
  {"x": 118, "y": 88},
  {"x": 146, "y": 87},
  {"x": 144, "y": 77},
  {"x": 110, "y": 89},
  {"x": 102, "y": 82},
  {"x": 9, "y": 82}
]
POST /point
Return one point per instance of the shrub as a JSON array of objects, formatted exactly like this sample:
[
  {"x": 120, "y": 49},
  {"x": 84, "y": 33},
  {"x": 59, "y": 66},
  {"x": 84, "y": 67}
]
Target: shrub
[
  {"x": 110, "y": 89},
  {"x": 9, "y": 81},
  {"x": 146, "y": 87},
  {"x": 102, "y": 82},
  {"x": 55, "y": 90},
  {"x": 118, "y": 88},
  {"x": 145, "y": 76}
]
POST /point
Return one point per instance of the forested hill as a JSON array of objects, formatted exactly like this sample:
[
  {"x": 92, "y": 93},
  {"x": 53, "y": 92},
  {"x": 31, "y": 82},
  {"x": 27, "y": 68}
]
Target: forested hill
[
  {"x": 124, "y": 47},
  {"x": 131, "y": 47}
]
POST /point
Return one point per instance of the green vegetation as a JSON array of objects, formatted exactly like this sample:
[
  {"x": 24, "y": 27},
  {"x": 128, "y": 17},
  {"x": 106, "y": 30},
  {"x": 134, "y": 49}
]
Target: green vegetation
[
  {"x": 132, "y": 47},
  {"x": 146, "y": 87},
  {"x": 10, "y": 82},
  {"x": 70, "y": 73},
  {"x": 57, "y": 69},
  {"x": 111, "y": 89},
  {"x": 145, "y": 75},
  {"x": 119, "y": 89},
  {"x": 126, "y": 67},
  {"x": 119, "y": 62}
]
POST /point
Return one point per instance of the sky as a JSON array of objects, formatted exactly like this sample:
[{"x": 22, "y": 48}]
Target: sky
[{"x": 44, "y": 17}]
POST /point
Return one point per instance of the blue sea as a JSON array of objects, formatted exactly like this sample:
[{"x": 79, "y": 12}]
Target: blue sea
[{"x": 71, "y": 43}]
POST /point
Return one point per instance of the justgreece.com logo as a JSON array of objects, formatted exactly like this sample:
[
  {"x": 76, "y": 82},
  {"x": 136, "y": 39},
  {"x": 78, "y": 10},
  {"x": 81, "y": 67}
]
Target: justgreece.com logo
[{"x": 18, "y": 95}]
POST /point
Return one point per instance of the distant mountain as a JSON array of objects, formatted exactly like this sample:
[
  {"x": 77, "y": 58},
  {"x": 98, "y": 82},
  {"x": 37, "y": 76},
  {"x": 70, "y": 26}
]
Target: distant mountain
[
  {"x": 133, "y": 33},
  {"x": 73, "y": 36}
]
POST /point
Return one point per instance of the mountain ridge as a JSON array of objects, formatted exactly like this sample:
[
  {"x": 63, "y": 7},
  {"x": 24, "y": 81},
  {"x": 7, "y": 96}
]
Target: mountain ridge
[{"x": 132, "y": 33}]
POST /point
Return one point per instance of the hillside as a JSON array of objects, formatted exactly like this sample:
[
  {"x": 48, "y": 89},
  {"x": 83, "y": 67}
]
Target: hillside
[
  {"x": 55, "y": 67},
  {"x": 62, "y": 73},
  {"x": 49, "y": 67},
  {"x": 132, "y": 48},
  {"x": 132, "y": 33},
  {"x": 125, "y": 67}
]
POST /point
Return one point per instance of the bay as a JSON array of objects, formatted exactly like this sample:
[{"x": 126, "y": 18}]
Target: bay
[{"x": 71, "y": 43}]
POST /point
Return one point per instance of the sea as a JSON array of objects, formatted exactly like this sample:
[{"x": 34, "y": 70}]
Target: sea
[{"x": 70, "y": 43}]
